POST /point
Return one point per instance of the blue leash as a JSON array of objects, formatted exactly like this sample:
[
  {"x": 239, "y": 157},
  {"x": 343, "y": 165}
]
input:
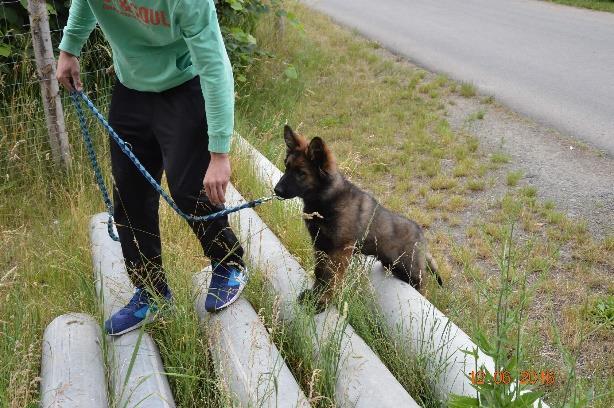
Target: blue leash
[{"x": 75, "y": 95}]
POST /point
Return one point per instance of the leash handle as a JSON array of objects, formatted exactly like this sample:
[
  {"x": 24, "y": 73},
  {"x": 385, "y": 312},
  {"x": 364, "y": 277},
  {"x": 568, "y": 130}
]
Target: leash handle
[{"x": 75, "y": 95}]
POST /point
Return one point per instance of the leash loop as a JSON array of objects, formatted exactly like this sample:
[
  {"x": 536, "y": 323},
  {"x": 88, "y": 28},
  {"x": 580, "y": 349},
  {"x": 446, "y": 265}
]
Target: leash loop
[{"x": 125, "y": 148}]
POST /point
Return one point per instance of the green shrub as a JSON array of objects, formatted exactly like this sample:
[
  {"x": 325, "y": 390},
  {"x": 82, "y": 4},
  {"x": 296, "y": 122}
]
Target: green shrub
[{"x": 237, "y": 21}]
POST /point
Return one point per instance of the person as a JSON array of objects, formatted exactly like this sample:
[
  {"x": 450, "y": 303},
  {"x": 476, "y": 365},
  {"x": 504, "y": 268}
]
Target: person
[{"x": 173, "y": 104}]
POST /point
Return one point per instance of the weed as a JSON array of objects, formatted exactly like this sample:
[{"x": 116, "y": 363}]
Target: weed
[
  {"x": 434, "y": 200},
  {"x": 503, "y": 386},
  {"x": 513, "y": 177},
  {"x": 443, "y": 183},
  {"x": 476, "y": 184},
  {"x": 488, "y": 100},
  {"x": 479, "y": 115},
  {"x": 529, "y": 192},
  {"x": 467, "y": 90},
  {"x": 463, "y": 168},
  {"x": 456, "y": 203},
  {"x": 601, "y": 311},
  {"x": 499, "y": 158}
]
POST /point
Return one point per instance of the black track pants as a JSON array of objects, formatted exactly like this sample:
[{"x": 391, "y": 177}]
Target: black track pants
[{"x": 167, "y": 131}]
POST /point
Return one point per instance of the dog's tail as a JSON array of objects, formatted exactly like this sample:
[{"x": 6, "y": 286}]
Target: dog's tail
[{"x": 432, "y": 264}]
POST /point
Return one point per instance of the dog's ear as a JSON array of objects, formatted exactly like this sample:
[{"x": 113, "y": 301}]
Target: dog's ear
[
  {"x": 320, "y": 155},
  {"x": 294, "y": 141}
]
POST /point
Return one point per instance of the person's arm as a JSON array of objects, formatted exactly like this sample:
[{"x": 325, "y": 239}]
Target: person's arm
[
  {"x": 81, "y": 22},
  {"x": 199, "y": 27}
]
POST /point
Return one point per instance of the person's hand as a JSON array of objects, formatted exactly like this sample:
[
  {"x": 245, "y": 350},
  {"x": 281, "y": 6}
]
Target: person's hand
[
  {"x": 217, "y": 178},
  {"x": 68, "y": 69}
]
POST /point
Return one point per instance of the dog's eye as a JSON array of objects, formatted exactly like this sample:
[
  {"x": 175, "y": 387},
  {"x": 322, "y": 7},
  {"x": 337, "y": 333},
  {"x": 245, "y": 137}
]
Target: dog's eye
[{"x": 302, "y": 174}]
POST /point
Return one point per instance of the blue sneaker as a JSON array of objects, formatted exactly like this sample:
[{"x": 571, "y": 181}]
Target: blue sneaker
[
  {"x": 227, "y": 283},
  {"x": 141, "y": 309}
]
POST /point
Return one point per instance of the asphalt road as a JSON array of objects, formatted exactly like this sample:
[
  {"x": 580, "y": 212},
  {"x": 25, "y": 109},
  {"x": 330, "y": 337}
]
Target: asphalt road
[{"x": 553, "y": 63}]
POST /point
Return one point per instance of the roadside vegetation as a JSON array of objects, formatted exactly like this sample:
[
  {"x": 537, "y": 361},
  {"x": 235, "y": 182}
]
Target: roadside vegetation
[
  {"x": 386, "y": 123},
  {"x": 45, "y": 264},
  {"x": 600, "y": 5}
]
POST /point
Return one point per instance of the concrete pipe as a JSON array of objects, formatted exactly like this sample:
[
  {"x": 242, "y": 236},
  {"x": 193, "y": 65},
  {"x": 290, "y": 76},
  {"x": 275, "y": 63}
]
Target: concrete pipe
[
  {"x": 72, "y": 368},
  {"x": 244, "y": 355},
  {"x": 145, "y": 384}
]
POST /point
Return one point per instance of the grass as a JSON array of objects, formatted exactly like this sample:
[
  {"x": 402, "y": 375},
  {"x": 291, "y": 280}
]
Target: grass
[
  {"x": 45, "y": 264},
  {"x": 467, "y": 90},
  {"x": 513, "y": 177},
  {"x": 356, "y": 303},
  {"x": 602, "y": 311},
  {"x": 600, "y": 5},
  {"x": 389, "y": 133},
  {"x": 499, "y": 158},
  {"x": 479, "y": 115},
  {"x": 386, "y": 124},
  {"x": 476, "y": 185}
]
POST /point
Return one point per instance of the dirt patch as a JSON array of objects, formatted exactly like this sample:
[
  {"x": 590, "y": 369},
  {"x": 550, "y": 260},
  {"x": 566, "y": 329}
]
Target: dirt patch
[{"x": 578, "y": 178}]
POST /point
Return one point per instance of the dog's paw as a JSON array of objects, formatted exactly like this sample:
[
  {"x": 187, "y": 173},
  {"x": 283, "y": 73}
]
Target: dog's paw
[
  {"x": 310, "y": 298},
  {"x": 304, "y": 296}
]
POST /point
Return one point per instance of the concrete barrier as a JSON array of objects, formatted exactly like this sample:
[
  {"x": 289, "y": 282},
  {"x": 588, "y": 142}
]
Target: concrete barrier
[
  {"x": 362, "y": 379},
  {"x": 266, "y": 172},
  {"x": 244, "y": 356},
  {"x": 428, "y": 332},
  {"x": 414, "y": 320},
  {"x": 72, "y": 367},
  {"x": 409, "y": 316},
  {"x": 147, "y": 384}
]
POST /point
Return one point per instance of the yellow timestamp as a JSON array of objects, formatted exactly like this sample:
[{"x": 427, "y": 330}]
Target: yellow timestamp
[{"x": 526, "y": 377}]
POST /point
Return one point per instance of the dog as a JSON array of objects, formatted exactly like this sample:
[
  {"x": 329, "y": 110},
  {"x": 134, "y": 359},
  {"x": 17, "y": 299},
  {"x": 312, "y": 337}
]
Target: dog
[{"x": 342, "y": 219}]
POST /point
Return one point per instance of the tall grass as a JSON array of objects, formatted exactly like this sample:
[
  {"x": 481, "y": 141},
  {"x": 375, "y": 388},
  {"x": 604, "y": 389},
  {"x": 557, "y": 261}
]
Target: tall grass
[
  {"x": 45, "y": 264},
  {"x": 45, "y": 269},
  {"x": 394, "y": 141}
]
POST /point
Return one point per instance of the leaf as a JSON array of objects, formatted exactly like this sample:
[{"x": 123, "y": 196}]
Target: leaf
[
  {"x": 462, "y": 401},
  {"x": 292, "y": 18},
  {"x": 24, "y": 3},
  {"x": 527, "y": 399},
  {"x": 5, "y": 50},
  {"x": 238, "y": 33},
  {"x": 473, "y": 353},
  {"x": 13, "y": 18},
  {"x": 294, "y": 21},
  {"x": 511, "y": 364},
  {"x": 291, "y": 72},
  {"x": 235, "y": 5},
  {"x": 51, "y": 10},
  {"x": 483, "y": 343}
]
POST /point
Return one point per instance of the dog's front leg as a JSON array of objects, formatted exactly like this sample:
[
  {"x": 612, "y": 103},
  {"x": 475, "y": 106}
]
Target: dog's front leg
[{"x": 329, "y": 273}]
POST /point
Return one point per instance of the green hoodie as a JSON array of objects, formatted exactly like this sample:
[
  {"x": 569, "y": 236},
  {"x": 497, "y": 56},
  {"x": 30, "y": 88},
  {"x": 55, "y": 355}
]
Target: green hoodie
[{"x": 159, "y": 44}]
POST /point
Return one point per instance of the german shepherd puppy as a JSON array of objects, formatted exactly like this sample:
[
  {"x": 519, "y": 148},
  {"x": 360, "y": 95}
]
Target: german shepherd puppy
[{"x": 341, "y": 218}]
